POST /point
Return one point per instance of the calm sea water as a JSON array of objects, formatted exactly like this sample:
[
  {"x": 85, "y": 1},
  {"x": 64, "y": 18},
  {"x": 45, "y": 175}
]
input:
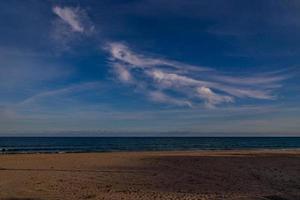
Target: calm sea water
[{"x": 107, "y": 144}]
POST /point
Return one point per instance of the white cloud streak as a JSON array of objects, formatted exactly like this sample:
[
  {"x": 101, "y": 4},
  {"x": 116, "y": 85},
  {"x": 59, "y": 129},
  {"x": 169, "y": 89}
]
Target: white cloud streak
[
  {"x": 76, "y": 18},
  {"x": 71, "y": 24},
  {"x": 181, "y": 84},
  {"x": 122, "y": 53},
  {"x": 123, "y": 73},
  {"x": 161, "y": 97},
  {"x": 70, "y": 16},
  {"x": 52, "y": 93},
  {"x": 211, "y": 98}
]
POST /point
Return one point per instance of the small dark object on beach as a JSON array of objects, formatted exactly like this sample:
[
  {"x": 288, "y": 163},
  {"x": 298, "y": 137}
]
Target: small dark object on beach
[{"x": 275, "y": 197}]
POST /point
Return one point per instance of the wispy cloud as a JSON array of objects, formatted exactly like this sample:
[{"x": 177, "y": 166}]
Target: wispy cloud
[
  {"x": 124, "y": 74},
  {"x": 170, "y": 81},
  {"x": 161, "y": 97},
  {"x": 70, "y": 17},
  {"x": 178, "y": 83},
  {"x": 121, "y": 52},
  {"x": 71, "y": 23},
  {"x": 211, "y": 98},
  {"x": 66, "y": 90}
]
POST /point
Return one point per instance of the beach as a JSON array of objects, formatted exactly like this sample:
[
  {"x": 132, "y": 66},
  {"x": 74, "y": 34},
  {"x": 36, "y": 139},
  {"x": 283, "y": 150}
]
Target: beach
[{"x": 207, "y": 175}]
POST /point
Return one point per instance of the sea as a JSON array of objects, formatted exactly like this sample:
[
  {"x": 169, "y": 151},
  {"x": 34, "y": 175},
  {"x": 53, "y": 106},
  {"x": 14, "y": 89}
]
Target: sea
[{"x": 113, "y": 144}]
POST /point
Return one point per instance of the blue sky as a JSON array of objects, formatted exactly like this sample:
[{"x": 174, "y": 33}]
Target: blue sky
[{"x": 149, "y": 67}]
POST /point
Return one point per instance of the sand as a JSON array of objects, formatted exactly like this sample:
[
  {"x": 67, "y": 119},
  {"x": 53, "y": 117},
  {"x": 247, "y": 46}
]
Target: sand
[{"x": 232, "y": 175}]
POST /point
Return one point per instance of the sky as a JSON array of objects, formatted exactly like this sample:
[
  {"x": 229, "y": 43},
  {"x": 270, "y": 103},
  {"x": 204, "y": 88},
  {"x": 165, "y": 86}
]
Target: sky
[{"x": 149, "y": 68}]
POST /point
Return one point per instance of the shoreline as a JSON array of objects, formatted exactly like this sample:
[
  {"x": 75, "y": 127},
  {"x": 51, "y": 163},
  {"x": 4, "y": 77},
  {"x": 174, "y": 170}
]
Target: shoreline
[{"x": 254, "y": 150}]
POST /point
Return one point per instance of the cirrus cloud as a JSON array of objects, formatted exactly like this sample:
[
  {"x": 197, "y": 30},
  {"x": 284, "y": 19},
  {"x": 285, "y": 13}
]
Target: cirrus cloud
[
  {"x": 71, "y": 23},
  {"x": 181, "y": 84}
]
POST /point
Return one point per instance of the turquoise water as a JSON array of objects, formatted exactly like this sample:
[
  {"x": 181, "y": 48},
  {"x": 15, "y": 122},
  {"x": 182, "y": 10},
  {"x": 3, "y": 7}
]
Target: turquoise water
[{"x": 108, "y": 144}]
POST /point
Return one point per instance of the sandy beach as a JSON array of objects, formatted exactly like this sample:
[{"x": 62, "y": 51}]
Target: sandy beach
[{"x": 207, "y": 175}]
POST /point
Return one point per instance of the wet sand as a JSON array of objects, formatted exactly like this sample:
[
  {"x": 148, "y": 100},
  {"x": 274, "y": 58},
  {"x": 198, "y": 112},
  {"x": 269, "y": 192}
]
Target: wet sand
[{"x": 207, "y": 175}]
